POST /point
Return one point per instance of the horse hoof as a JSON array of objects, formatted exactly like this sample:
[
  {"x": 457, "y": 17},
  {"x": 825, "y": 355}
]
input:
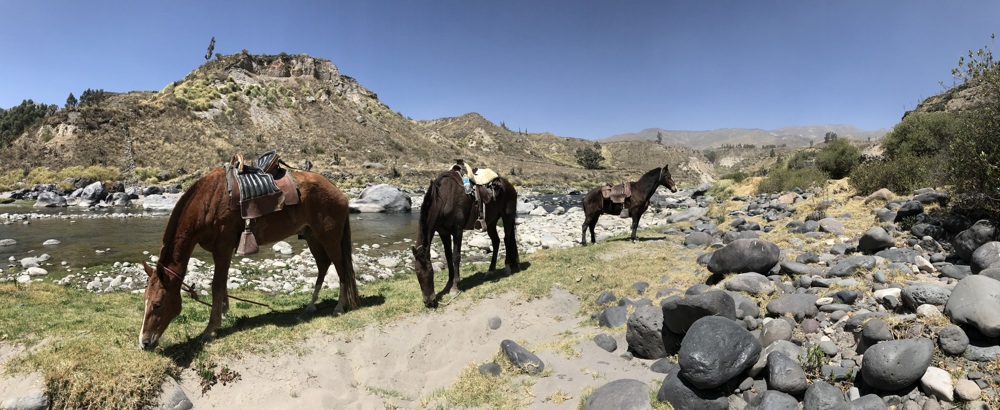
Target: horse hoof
[{"x": 339, "y": 310}]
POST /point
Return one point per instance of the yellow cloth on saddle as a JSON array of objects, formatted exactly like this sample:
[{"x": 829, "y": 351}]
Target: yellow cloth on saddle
[{"x": 480, "y": 176}]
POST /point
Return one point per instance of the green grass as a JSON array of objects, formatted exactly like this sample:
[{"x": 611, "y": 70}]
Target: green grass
[{"x": 85, "y": 344}]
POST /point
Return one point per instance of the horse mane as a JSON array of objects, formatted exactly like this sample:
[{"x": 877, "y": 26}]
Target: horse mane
[
  {"x": 423, "y": 231},
  {"x": 648, "y": 180}
]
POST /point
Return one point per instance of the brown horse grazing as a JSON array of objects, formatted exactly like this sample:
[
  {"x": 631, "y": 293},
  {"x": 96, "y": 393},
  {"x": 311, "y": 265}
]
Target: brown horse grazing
[
  {"x": 203, "y": 217},
  {"x": 448, "y": 210},
  {"x": 595, "y": 204}
]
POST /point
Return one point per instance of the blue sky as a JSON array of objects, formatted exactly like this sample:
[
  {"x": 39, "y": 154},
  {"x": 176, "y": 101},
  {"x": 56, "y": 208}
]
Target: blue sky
[{"x": 575, "y": 68}]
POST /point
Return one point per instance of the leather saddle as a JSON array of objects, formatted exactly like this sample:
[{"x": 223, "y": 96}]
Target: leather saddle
[
  {"x": 482, "y": 194},
  {"x": 257, "y": 189},
  {"x": 617, "y": 193}
]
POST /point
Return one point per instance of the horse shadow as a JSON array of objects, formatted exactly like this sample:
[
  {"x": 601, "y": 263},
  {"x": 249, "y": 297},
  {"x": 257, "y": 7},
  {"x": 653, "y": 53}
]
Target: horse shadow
[
  {"x": 183, "y": 354},
  {"x": 481, "y": 277},
  {"x": 639, "y": 239}
]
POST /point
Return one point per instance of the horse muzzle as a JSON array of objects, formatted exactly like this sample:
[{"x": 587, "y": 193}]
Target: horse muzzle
[{"x": 148, "y": 342}]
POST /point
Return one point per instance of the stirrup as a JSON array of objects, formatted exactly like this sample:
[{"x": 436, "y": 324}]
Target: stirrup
[{"x": 480, "y": 225}]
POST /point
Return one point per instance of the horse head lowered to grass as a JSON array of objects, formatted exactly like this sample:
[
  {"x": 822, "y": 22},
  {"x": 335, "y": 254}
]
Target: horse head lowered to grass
[
  {"x": 448, "y": 210},
  {"x": 629, "y": 199},
  {"x": 205, "y": 216}
]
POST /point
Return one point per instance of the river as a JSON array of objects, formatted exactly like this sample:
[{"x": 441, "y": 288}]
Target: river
[{"x": 86, "y": 240}]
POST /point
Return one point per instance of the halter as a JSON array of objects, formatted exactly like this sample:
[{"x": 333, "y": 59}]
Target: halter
[{"x": 194, "y": 294}]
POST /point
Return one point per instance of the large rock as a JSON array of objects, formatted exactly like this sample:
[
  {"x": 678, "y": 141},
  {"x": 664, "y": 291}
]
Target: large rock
[
  {"x": 715, "y": 350},
  {"x": 874, "y": 240},
  {"x": 644, "y": 333},
  {"x": 752, "y": 283},
  {"x": 521, "y": 357},
  {"x": 381, "y": 198},
  {"x": 784, "y": 374},
  {"x": 683, "y": 395},
  {"x": 49, "y": 199},
  {"x": 799, "y": 305},
  {"x": 679, "y": 314},
  {"x": 624, "y": 394},
  {"x": 823, "y": 396},
  {"x": 925, "y": 293},
  {"x": 985, "y": 257},
  {"x": 967, "y": 241},
  {"x": 851, "y": 265},
  {"x": 975, "y": 301},
  {"x": 92, "y": 194},
  {"x": 909, "y": 209},
  {"x": 744, "y": 255},
  {"x": 896, "y": 364}
]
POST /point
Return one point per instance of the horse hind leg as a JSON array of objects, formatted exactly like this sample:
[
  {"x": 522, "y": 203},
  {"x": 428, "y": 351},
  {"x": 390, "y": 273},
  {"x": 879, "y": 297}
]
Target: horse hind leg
[
  {"x": 491, "y": 229},
  {"x": 322, "y": 264}
]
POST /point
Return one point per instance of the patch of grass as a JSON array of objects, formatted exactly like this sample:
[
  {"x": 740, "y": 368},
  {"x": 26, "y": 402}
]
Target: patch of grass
[
  {"x": 473, "y": 389},
  {"x": 386, "y": 393},
  {"x": 565, "y": 345}
]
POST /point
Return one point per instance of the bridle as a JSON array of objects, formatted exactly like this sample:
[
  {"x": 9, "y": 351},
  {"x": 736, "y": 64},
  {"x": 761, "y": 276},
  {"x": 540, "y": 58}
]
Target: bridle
[{"x": 190, "y": 289}]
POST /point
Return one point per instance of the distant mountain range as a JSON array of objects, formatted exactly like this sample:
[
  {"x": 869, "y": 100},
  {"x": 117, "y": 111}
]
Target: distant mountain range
[{"x": 794, "y": 136}]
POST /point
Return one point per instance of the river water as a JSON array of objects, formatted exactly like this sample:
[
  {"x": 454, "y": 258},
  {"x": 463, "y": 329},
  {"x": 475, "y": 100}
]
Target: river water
[{"x": 86, "y": 240}]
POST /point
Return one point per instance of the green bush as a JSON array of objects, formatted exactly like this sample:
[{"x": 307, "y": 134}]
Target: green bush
[
  {"x": 922, "y": 134},
  {"x": 147, "y": 174},
  {"x": 589, "y": 158},
  {"x": 11, "y": 180},
  {"x": 784, "y": 179},
  {"x": 838, "y": 158},
  {"x": 900, "y": 175},
  {"x": 737, "y": 177}
]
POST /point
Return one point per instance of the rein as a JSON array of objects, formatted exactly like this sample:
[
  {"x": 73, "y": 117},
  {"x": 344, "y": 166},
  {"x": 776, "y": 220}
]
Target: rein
[{"x": 190, "y": 289}]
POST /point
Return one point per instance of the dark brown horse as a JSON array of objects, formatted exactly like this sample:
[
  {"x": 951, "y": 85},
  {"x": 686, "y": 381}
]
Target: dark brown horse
[
  {"x": 448, "y": 210},
  {"x": 203, "y": 217},
  {"x": 594, "y": 203}
]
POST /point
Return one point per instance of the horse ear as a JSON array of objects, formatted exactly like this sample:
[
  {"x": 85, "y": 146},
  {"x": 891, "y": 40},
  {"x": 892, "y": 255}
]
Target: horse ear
[
  {"x": 149, "y": 271},
  {"x": 666, "y": 167}
]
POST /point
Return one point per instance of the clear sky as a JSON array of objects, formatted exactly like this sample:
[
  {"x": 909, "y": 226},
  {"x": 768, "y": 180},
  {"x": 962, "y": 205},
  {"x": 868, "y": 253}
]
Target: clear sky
[{"x": 575, "y": 68}]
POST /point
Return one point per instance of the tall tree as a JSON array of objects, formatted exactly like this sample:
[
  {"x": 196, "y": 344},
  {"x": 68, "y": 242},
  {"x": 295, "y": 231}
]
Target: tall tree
[{"x": 71, "y": 101}]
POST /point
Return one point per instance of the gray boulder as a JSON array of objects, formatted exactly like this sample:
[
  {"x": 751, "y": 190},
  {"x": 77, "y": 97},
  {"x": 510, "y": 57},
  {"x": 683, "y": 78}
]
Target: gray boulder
[
  {"x": 644, "y": 333},
  {"x": 778, "y": 400},
  {"x": 799, "y": 305},
  {"x": 874, "y": 240},
  {"x": 715, "y": 350},
  {"x": 967, "y": 241},
  {"x": 744, "y": 255},
  {"x": 985, "y": 257},
  {"x": 909, "y": 209},
  {"x": 679, "y": 314},
  {"x": 92, "y": 194},
  {"x": 521, "y": 357},
  {"x": 683, "y": 395},
  {"x": 613, "y": 316},
  {"x": 925, "y": 293},
  {"x": 785, "y": 375},
  {"x": 49, "y": 199},
  {"x": 381, "y": 198},
  {"x": 625, "y": 394},
  {"x": 953, "y": 340},
  {"x": 975, "y": 301},
  {"x": 851, "y": 265},
  {"x": 896, "y": 364},
  {"x": 823, "y": 396}
]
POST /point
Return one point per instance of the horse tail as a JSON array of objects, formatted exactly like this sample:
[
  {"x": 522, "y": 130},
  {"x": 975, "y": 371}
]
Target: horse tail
[{"x": 348, "y": 279}]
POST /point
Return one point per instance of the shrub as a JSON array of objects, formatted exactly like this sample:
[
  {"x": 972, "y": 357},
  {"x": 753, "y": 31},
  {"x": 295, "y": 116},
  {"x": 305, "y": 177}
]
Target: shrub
[
  {"x": 147, "y": 174},
  {"x": 589, "y": 158},
  {"x": 736, "y": 177},
  {"x": 11, "y": 180},
  {"x": 838, "y": 158},
  {"x": 923, "y": 134},
  {"x": 903, "y": 174},
  {"x": 779, "y": 180},
  {"x": 41, "y": 175}
]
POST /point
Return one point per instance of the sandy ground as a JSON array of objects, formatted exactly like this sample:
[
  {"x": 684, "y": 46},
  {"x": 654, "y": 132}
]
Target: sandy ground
[{"x": 415, "y": 356}]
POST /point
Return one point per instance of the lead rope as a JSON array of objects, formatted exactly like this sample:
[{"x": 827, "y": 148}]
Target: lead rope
[{"x": 190, "y": 289}]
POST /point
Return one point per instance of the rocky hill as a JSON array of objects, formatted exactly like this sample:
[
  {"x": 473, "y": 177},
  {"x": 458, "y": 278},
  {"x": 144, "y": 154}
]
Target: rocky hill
[
  {"x": 795, "y": 136},
  {"x": 309, "y": 111}
]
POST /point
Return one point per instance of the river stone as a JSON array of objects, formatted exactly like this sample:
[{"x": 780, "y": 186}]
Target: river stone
[
  {"x": 953, "y": 340},
  {"x": 606, "y": 342},
  {"x": 778, "y": 400},
  {"x": 49, "y": 199},
  {"x": 799, "y": 305},
  {"x": 715, "y": 350},
  {"x": 784, "y": 374},
  {"x": 967, "y": 241},
  {"x": 967, "y": 390},
  {"x": 895, "y": 364},
  {"x": 823, "y": 396},
  {"x": 625, "y": 394},
  {"x": 613, "y": 316},
  {"x": 752, "y": 283},
  {"x": 975, "y": 301},
  {"x": 744, "y": 255},
  {"x": 680, "y": 313},
  {"x": 775, "y": 330},
  {"x": 936, "y": 381},
  {"x": 698, "y": 239},
  {"x": 985, "y": 256},
  {"x": 521, "y": 357},
  {"x": 874, "y": 240},
  {"x": 955, "y": 271},
  {"x": 643, "y": 333},
  {"x": 7, "y": 242},
  {"x": 491, "y": 369},
  {"x": 683, "y": 395},
  {"x": 92, "y": 194},
  {"x": 851, "y": 265},
  {"x": 925, "y": 293},
  {"x": 868, "y": 402}
]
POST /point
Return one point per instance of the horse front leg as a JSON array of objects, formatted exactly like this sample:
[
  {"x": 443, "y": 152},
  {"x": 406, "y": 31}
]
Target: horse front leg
[
  {"x": 635, "y": 223},
  {"x": 220, "y": 295},
  {"x": 449, "y": 257},
  {"x": 455, "y": 276}
]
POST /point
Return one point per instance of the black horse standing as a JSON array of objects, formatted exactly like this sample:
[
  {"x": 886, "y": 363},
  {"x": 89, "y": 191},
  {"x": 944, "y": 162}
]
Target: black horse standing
[
  {"x": 595, "y": 204},
  {"x": 448, "y": 211}
]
